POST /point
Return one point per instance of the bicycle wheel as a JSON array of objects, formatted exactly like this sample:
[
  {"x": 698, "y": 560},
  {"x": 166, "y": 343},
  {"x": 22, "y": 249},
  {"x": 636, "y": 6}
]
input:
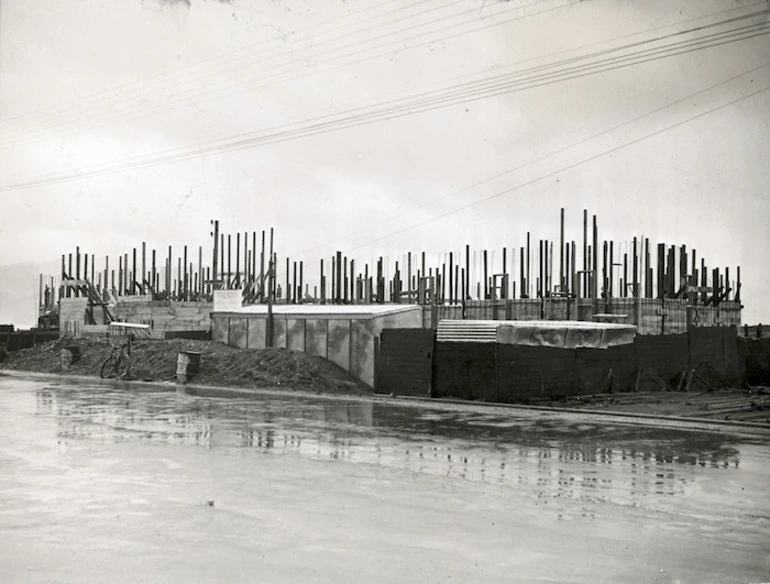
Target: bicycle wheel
[
  {"x": 122, "y": 365},
  {"x": 108, "y": 367}
]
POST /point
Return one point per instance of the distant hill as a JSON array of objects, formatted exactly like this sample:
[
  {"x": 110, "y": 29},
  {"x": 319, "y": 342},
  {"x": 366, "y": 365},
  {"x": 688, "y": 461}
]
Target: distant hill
[{"x": 18, "y": 291}]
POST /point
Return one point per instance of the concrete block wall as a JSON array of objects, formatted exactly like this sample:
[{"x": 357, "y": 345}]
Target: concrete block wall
[
  {"x": 165, "y": 315},
  {"x": 652, "y": 316}
]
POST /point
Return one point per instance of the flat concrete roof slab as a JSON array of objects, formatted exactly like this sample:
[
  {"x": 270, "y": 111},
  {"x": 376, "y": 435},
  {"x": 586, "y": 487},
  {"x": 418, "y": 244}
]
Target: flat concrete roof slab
[{"x": 325, "y": 310}]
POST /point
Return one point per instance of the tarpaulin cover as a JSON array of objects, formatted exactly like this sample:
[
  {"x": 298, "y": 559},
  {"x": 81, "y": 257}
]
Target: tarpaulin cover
[{"x": 538, "y": 333}]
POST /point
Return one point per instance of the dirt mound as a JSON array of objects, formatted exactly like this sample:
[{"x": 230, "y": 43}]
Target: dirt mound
[{"x": 156, "y": 360}]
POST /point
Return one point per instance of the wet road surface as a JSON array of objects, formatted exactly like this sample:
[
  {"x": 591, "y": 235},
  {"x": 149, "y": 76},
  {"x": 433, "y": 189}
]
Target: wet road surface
[{"x": 101, "y": 483}]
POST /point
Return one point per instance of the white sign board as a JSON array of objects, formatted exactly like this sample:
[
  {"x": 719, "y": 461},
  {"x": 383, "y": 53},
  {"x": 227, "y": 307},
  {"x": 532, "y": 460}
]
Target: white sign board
[{"x": 228, "y": 300}]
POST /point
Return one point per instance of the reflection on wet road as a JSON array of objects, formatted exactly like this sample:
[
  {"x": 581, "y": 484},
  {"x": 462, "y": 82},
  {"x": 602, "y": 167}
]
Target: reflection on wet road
[{"x": 137, "y": 484}]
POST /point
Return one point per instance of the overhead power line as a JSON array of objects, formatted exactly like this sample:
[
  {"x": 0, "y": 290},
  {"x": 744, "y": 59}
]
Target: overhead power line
[
  {"x": 169, "y": 75},
  {"x": 197, "y": 88},
  {"x": 352, "y": 118},
  {"x": 169, "y": 104},
  {"x": 562, "y": 169},
  {"x": 454, "y": 193}
]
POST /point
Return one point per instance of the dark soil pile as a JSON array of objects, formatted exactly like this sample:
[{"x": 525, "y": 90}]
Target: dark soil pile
[{"x": 220, "y": 365}]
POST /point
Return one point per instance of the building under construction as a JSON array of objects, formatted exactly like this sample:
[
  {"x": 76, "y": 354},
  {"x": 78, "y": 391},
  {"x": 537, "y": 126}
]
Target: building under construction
[
  {"x": 671, "y": 316},
  {"x": 658, "y": 287}
]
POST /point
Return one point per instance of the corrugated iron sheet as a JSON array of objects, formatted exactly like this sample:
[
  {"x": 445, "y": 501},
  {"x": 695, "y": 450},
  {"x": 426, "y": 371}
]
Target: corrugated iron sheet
[{"x": 467, "y": 331}]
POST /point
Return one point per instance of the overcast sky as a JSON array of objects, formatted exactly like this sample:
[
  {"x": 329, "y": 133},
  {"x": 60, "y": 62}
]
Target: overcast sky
[{"x": 164, "y": 107}]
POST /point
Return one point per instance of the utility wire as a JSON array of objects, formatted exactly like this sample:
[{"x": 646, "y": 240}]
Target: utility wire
[
  {"x": 164, "y": 76},
  {"x": 682, "y": 32},
  {"x": 109, "y": 118},
  {"x": 289, "y": 52},
  {"x": 545, "y": 156},
  {"x": 567, "y": 167},
  {"x": 341, "y": 123},
  {"x": 625, "y": 47}
]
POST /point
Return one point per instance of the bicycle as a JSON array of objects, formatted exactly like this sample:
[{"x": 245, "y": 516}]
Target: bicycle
[{"x": 117, "y": 364}]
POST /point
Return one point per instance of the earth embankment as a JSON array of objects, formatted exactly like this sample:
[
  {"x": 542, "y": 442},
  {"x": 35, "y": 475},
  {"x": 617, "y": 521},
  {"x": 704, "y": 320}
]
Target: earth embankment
[{"x": 220, "y": 365}]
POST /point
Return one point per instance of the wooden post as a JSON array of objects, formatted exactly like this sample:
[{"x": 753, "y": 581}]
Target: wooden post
[
  {"x": 228, "y": 277},
  {"x": 572, "y": 287},
  {"x": 338, "y": 278},
  {"x": 144, "y": 266},
  {"x": 246, "y": 259},
  {"x": 682, "y": 268},
  {"x": 287, "y": 291},
  {"x": 254, "y": 257},
  {"x": 442, "y": 291},
  {"x": 625, "y": 276},
  {"x": 540, "y": 286},
  {"x": 605, "y": 287},
  {"x": 522, "y": 280},
  {"x": 221, "y": 275},
  {"x": 611, "y": 289},
  {"x": 169, "y": 268},
  {"x": 693, "y": 271},
  {"x": 199, "y": 285},
  {"x": 185, "y": 281},
  {"x": 133, "y": 272},
  {"x": 505, "y": 275},
  {"x": 529, "y": 253},
  {"x": 352, "y": 282},
  {"x": 77, "y": 267},
  {"x": 466, "y": 282},
  {"x": 635, "y": 268},
  {"x": 486, "y": 276},
  {"x": 660, "y": 276},
  {"x": 270, "y": 294},
  {"x": 237, "y": 280},
  {"x": 595, "y": 248},
  {"x": 322, "y": 283},
  {"x": 215, "y": 253},
  {"x": 262, "y": 279},
  {"x": 561, "y": 252},
  {"x": 409, "y": 286},
  {"x": 457, "y": 282},
  {"x": 584, "y": 293}
]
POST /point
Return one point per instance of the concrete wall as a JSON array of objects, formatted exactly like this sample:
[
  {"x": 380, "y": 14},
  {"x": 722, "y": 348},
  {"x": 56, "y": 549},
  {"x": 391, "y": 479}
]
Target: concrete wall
[
  {"x": 165, "y": 315},
  {"x": 667, "y": 316},
  {"x": 346, "y": 341},
  {"x": 162, "y": 315}
]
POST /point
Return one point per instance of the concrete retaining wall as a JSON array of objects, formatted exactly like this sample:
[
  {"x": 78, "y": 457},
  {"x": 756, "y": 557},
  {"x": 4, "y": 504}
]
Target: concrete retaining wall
[{"x": 347, "y": 341}]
